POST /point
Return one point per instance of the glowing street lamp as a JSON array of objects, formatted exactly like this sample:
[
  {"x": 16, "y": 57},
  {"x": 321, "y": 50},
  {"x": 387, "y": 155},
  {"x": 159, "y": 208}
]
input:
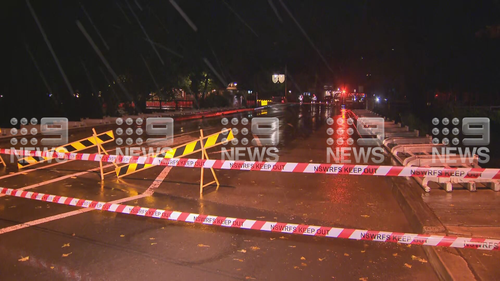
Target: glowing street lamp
[{"x": 280, "y": 78}]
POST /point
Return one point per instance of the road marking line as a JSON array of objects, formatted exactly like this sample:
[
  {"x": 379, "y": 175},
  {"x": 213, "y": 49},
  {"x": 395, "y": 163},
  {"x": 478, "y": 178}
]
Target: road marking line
[
  {"x": 156, "y": 183},
  {"x": 150, "y": 191},
  {"x": 60, "y": 178},
  {"x": 63, "y": 215},
  {"x": 31, "y": 170}
]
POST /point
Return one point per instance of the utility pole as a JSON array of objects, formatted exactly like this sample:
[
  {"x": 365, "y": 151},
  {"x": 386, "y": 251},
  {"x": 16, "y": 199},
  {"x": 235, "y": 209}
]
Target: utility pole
[{"x": 286, "y": 80}]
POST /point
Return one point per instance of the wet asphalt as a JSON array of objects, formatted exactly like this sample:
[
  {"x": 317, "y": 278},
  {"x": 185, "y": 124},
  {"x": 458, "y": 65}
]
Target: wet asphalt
[{"x": 59, "y": 242}]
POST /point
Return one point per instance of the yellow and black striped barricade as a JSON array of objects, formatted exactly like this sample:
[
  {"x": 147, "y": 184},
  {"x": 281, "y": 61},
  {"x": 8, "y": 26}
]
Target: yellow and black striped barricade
[
  {"x": 70, "y": 147},
  {"x": 179, "y": 151}
]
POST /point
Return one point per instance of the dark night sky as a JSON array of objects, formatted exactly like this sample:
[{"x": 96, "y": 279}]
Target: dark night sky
[{"x": 437, "y": 45}]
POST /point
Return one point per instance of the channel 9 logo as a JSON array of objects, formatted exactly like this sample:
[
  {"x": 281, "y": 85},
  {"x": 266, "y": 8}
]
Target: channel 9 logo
[
  {"x": 469, "y": 136},
  {"x": 340, "y": 144},
  {"x": 159, "y": 131},
  {"x": 264, "y": 135},
  {"x": 155, "y": 126},
  {"x": 55, "y": 127}
]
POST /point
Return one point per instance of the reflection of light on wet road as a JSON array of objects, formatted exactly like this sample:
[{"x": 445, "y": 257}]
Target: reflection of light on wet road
[{"x": 339, "y": 191}]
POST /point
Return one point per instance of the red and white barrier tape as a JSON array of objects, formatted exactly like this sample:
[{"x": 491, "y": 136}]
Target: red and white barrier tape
[
  {"x": 289, "y": 228},
  {"x": 286, "y": 167}
]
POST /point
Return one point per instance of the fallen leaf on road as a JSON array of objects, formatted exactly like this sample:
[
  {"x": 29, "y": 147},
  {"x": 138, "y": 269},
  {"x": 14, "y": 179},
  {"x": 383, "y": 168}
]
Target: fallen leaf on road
[
  {"x": 242, "y": 251},
  {"x": 261, "y": 217},
  {"x": 162, "y": 227},
  {"x": 51, "y": 267},
  {"x": 65, "y": 245},
  {"x": 363, "y": 278},
  {"x": 409, "y": 245},
  {"x": 407, "y": 265},
  {"x": 365, "y": 216},
  {"x": 38, "y": 207},
  {"x": 247, "y": 240},
  {"x": 203, "y": 246},
  {"x": 240, "y": 260},
  {"x": 73, "y": 177},
  {"x": 238, "y": 269},
  {"x": 363, "y": 251},
  {"x": 283, "y": 237},
  {"x": 151, "y": 238},
  {"x": 292, "y": 246},
  {"x": 249, "y": 278},
  {"x": 65, "y": 255},
  {"x": 254, "y": 248},
  {"x": 303, "y": 264},
  {"x": 346, "y": 254},
  {"x": 272, "y": 239},
  {"x": 303, "y": 258},
  {"x": 121, "y": 235},
  {"x": 321, "y": 259},
  {"x": 24, "y": 259},
  {"x": 296, "y": 267},
  {"x": 154, "y": 243},
  {"x": 418, "y": 259},
  {"x": 488, "y": 255},
  {"x": 451, "y": 205},
  {"x": 395, "y": 254},
  {"x": 73, "y": 234},
  {"x": 13, "y": 206}
]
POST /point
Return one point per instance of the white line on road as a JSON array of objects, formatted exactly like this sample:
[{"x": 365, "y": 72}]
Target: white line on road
[
  {"x": 156, "y": 183},
  {"x": 31, "y": 170},
  {"x": 62, "y": 216},
  {"x": 159, "y": 179},
  {"x": 149, "y": 192},
  {"x": 60, "y": 178}
]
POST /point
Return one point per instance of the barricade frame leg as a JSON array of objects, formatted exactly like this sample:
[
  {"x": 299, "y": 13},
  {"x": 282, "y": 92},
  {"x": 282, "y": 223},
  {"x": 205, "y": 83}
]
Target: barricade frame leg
[
  {"x": 204, "y": 155},
  {"x": 100, "y": 149}
]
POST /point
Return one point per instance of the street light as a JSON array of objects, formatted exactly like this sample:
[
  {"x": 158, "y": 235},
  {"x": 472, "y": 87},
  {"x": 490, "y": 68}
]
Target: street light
[{"x": 280, "y": 78}]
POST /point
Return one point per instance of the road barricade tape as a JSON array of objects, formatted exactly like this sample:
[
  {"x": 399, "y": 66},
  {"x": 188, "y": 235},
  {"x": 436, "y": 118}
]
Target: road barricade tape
[
  {"x": 70, "y": 147},
  {"x": 285, "y": 167},
  {"x": 268, "y": 226}
]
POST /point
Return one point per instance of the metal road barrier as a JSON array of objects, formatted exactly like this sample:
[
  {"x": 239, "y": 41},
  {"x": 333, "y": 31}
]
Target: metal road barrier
[
  {"x": 410, "y": 150},
  {"x": 267, "y": 226},
  {"x": 70, "y": 147},
  {"x": 179, "y": 151}
]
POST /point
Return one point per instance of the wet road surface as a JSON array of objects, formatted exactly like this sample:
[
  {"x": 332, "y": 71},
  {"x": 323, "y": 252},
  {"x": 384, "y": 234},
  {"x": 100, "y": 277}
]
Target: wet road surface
[{"x": 46, "y": 241}]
